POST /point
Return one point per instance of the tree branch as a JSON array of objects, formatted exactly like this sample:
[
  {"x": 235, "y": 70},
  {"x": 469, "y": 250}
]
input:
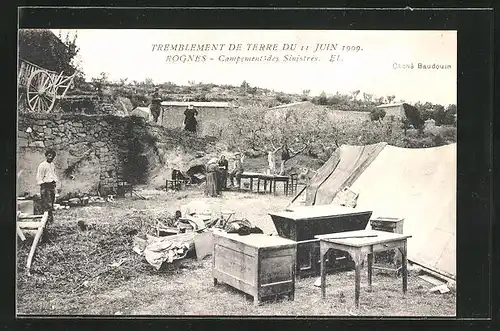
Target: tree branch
[
  {"x": 275, "y": 149},
  {"x": 295, "y": 153}
]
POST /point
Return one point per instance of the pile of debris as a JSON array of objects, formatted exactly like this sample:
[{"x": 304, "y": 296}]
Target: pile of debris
[
  {"x": 79, "y": 199},
  {"x": 178, "y": 236}
]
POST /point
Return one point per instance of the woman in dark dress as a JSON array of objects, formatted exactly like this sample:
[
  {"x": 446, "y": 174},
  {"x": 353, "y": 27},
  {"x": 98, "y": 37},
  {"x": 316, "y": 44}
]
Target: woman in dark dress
[{"x": 190, "y": 121}]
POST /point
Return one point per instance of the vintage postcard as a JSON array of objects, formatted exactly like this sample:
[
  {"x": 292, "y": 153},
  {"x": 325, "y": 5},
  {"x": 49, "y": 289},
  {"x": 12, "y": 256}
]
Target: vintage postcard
[{"x": 166, "y": 172}]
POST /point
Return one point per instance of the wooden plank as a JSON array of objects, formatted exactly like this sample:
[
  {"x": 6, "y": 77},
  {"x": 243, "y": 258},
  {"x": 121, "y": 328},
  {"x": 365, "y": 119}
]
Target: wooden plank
[
  {"x": 255, "y": 240},
  {"x": 31, "y": 232},
  {"x": 276, "y": 289},
  {"x": 36, "y": 240},
  {"x": 441, "y": 288},
  {"x": 320, "y": 212},
  {"x": 239, "y": 284},
  {"x": 28, "y": 217},
  {"x": 445, "y": 278},
  {"x": 346, "y": 236},
  {"x": 29, "y": 225},
  {"x": 234, "y": 245},
  {"x": 431, "y": 280},
  {"x": 20, "y": 233},
  {"x": 238, "y": 265},
  {"x": 381, "y": 238}
]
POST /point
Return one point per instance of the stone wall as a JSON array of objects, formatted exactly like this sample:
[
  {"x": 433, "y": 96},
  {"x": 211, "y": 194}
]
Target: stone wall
[
  {"x": 94, "y": 151},
  {"x": 95, "y": 144}
]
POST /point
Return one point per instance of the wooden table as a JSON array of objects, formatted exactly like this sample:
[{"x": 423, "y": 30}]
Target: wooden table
[
  {"x": 303, "y": 223},
  {"x": 359, "y": 244},
  {"x": 257, "y": 264},
  {"x": 251, "y": 176},
  {"x": 272, "y": 179}
]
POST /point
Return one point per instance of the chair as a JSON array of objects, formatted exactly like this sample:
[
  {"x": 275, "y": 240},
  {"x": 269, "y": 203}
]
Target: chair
[
  {"x": 177, "y": 182},
  {"x": 122, "y": 186}
]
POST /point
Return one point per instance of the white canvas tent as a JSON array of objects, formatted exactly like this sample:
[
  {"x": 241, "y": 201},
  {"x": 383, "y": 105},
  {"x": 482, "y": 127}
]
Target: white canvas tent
[{"x": 417, "y": 184}]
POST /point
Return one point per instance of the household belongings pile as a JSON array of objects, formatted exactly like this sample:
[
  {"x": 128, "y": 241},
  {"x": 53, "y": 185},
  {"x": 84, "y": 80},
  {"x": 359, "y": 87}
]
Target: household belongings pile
[{"x": 177, "y": 236}]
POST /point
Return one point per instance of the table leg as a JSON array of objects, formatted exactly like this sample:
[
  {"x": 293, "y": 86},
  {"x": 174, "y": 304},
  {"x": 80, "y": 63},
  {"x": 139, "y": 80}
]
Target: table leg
[
  {"x": 258, "y": 185},
  {"x": 370, "y": 270},
  {"x": 323, "y": 252},
  {"x": 265, "y": 185},
  {"x": 356, "y": 256},
  {"x": 404, "y": 266},
  {"x": 251, "y": 184},
  {"x": 274, "y": 186}
]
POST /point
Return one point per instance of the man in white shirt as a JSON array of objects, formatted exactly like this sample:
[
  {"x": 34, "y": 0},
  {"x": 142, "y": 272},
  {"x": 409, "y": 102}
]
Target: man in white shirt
[{"x": 46, "y": 177}]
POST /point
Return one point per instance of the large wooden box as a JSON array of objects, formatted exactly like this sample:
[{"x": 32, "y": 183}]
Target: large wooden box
[
  {"x": 388, "y": 258},
  {"x": 257, "y": 264},
  {"x": 301, "y": 224},
  {"x": 388, "y": 224}
]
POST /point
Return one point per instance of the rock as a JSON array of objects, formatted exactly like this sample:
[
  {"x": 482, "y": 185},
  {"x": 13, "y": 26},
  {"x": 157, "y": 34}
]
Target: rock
[{"x": 38, "y": 144}]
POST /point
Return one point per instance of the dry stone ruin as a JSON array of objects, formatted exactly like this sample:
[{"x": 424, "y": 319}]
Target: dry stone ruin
[{"x": 94, "y": 152}]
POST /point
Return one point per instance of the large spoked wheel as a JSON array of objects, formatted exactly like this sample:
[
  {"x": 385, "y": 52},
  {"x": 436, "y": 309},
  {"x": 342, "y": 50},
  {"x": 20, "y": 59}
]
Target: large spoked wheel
[{"x": 41, "y": 92}]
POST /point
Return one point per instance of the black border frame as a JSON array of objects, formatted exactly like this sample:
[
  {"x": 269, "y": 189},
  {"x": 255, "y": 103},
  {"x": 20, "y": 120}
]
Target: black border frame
[{"x": 475, "y": 140}]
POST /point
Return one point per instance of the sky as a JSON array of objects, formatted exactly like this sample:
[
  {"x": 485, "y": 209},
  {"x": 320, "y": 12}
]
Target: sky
[{"x": 377, "y": 62}]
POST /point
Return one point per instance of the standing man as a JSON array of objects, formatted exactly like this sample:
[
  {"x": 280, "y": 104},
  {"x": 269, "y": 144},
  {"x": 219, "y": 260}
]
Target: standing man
[
  {"x": 223, "y": 167},
  {"x": 237, "y": 169},
  {"x": 46, "y": 177},
  {"x": 190, "y": 121},
  {"x": 156, "y": 105}
]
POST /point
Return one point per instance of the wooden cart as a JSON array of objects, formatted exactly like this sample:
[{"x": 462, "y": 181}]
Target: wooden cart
[{"x": 42, "y": 87}]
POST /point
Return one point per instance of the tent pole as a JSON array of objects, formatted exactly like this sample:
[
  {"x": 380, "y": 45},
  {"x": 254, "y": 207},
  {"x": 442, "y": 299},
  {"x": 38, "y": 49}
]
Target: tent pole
[{"x": 295, "y": 198}]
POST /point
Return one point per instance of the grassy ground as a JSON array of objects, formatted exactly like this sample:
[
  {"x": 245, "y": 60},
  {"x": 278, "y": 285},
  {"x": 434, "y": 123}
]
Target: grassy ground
[{"x": 72, "y": 272}]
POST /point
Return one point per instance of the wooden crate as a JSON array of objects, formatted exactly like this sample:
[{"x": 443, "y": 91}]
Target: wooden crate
[
  {"x": 257, "y": 264},
  {"x": 388, "y": 224},
  {"x": 388, "y": 260}
]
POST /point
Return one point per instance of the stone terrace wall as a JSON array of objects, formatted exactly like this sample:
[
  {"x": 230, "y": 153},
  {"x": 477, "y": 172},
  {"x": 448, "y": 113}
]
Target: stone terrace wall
[
  {"x": 96, "y": 150},
  {"x": 95, "y": 142}
]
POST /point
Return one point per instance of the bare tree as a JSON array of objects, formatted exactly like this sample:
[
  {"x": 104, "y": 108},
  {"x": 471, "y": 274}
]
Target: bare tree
[
  {"x": 354, "y": 94},
  {"x": 290, "y": 131}
]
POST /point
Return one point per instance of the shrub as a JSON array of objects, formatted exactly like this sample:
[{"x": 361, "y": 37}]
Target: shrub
[
  {"x": 449, "y": 132},
  {"x": 419, "y": 142},
  {"x": 377, "y": 114},
  {"x": 283, "y": 98},
  {"x": 413, "y": 117}
]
